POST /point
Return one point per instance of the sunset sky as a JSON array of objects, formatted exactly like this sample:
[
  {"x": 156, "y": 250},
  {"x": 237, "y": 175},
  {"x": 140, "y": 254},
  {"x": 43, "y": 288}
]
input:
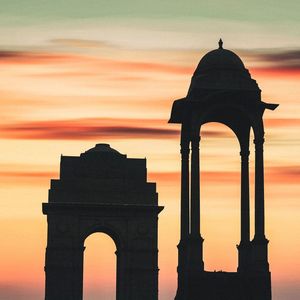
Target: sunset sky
[{"x": 75, "y": 73}]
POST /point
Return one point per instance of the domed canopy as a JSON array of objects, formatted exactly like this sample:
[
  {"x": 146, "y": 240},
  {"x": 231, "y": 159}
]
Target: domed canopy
[
  {"x": 220, "y": 82},
  {"x": 220, "y": 70},
  {"x": 220, "y": 59}
]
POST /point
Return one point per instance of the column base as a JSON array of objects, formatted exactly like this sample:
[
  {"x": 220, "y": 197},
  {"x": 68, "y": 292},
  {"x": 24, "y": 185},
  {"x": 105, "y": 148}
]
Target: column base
[
  {"x": 228, "y": 285},
  {"x": 195, "y": 253},
  {"x": 259, "y": 251},
  {"x": 190, "y": 265},
  {"x": 244, "y": 254}
]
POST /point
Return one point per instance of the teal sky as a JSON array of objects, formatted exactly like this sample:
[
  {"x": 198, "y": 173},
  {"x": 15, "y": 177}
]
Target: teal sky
[
  {"x": 191, "y": 24},
  {"x": 254, "y": 11}
]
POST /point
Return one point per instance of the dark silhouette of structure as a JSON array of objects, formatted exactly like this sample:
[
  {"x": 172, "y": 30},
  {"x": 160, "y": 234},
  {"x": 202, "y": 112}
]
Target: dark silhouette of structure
[
  {"x": 102, "y": 191},
  {"x": 223, "y": 91}
]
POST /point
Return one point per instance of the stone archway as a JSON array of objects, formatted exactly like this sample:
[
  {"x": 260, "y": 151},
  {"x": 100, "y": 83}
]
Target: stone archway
[{"x": 102, "y": 190}]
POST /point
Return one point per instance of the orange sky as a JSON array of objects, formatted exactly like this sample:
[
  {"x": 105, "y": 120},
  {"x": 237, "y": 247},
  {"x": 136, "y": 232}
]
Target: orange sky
[{"x": 65, "y": 95}]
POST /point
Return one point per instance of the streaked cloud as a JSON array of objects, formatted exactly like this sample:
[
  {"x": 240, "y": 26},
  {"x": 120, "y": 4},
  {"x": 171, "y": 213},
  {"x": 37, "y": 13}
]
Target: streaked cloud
[
  {"x": 279, "y": 61},
  {"x": 82, "y": 43},
  {"x": 26, "y": 57},
  {"x": 28, "y": 174},
  {"x": 283, "y": 174},
  {"x": 282, "y": 123},
  {"x": 274, "y": 175},
  {"x": 23, "y": 57},
  {"x": 85, "y": 129},
  {"x": 274, "y": 62},
  {"x": 281, "y": 58}
]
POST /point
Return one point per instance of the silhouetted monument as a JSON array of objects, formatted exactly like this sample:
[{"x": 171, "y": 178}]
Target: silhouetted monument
[
  {"x": 102, "y": 191},
  {"x": 223, "y": 91}
]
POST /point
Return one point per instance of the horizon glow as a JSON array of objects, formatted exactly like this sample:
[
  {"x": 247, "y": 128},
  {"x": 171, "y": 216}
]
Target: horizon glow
[{"x": 74, "y": 74}]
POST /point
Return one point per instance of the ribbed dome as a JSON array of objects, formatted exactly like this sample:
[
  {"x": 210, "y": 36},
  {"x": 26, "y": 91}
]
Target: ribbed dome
[
  {"x": 220, "y": 59},
  {"x": 220, "y": 70}
]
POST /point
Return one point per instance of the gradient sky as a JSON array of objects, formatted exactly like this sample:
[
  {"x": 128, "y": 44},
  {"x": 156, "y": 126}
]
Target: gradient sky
[{"x": 75, "y": 73}]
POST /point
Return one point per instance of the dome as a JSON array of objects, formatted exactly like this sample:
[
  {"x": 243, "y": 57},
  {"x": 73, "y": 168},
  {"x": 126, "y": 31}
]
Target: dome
[
  {"x": 102, "y": 148},
  {"x": 220, "y": 59},
  {"x": 221, "y": 88},
  {"x": 220, "y": 70}
]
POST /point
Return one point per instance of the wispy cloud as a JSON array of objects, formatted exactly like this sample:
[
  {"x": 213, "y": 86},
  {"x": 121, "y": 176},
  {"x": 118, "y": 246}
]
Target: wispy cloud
[
  {"x": 23, "y": 57},
  {"x": 28, "y": 174},
  {"x": 82, "y": 43},
  {"x": 282, "y": 123},
  {"x": 271, "y": 62},
  {"x": 274, "y": 62},
  {"x": 275, "y": 72},
  {"x": 281, "y": 59},
  {"x": 274, "y": 175},
  {"x": 85, "y": 129},
  {"x": 283, "y": 174}
]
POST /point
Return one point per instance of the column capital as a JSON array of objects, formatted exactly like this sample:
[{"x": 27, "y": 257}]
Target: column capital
[
  {"x": 244, "y": 153},
  {"x": 259, "y": 141},
  {"x": 185, "y": 149},
  {"x": 195, "y": 141}
]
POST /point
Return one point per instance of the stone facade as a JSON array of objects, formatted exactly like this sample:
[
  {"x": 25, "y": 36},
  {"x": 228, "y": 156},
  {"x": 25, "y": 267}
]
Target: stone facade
[{"x": 102, "y": 191}]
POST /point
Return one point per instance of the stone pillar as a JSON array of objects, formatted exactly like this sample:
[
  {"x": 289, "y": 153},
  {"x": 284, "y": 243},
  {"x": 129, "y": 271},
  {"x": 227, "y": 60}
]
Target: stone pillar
[
  {"x": 244, "y": 246},
  {"x": 260, "y": 243},
  {"x": 245, "y": 218},
  {"x": 64, "y": 272},
  {"x": 195, "y": 253},
  {"x": 121, "y": 284},
  {"x": 185, "y": 153},
  {"x": 195, "y": 188},
  {"x": 184, "y": 218},
  {"x": 259, "y": 190}
]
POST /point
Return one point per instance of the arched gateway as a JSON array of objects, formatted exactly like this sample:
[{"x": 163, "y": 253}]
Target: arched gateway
[
  {"x": 222, "y": 90},
  {"x": 102, "y": 191}
]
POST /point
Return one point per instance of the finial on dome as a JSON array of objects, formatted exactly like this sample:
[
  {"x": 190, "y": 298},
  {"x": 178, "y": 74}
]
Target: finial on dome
[{"x": 220, "y": 44}]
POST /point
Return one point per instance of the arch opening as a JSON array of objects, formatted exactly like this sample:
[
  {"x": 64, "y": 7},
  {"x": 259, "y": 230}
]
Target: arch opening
[
  {"x": 220, "y": 196},
  {"x": 99, "y": 267}
]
